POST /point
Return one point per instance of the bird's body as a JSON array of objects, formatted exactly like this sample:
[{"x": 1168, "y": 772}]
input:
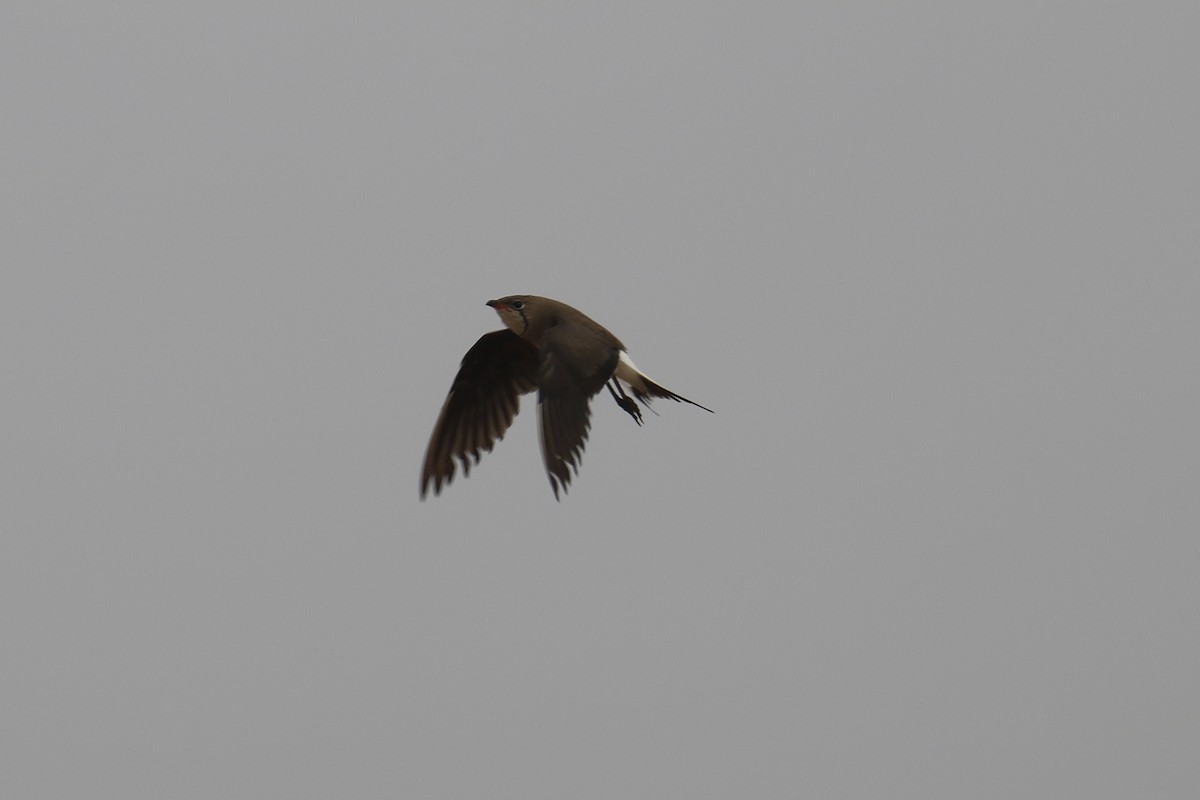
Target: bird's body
[{"x": 549, "y": 346}]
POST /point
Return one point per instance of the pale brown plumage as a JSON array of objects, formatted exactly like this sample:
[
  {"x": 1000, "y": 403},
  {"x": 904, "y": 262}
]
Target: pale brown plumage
[{"x": 547, "y": 345}]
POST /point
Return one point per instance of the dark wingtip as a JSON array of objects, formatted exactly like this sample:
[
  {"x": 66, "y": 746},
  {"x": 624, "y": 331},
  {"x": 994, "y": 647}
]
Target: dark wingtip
[{"x": 425, "y": 487}]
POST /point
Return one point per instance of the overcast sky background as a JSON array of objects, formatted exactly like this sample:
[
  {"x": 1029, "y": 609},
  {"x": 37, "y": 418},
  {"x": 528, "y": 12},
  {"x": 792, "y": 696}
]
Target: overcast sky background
[{"x": 933, "y": 264}]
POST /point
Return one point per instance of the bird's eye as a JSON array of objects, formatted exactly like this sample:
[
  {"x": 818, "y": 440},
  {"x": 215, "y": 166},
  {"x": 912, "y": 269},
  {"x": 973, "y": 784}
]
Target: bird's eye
[{"x": 518, "y": 305}]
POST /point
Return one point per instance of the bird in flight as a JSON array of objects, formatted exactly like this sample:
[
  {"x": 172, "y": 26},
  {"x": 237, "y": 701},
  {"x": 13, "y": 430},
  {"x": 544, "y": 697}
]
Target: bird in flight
[{"x": 548, "y": 346}]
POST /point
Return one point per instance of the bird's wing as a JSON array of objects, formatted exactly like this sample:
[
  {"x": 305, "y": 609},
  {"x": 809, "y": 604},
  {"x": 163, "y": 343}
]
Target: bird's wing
[
  {"x": 576, "y": 360},
  {"x": 481, "y": 405}
]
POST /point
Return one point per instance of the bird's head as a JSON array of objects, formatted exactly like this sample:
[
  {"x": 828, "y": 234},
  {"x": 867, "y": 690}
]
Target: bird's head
[{"x": 514, "y": 311}]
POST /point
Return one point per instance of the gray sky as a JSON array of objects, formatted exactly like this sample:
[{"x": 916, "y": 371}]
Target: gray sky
[{"x": 933, "y": 264}]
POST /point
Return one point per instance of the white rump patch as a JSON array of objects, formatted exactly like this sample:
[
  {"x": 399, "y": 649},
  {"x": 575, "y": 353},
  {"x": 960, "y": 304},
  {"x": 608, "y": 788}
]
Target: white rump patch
[{"x": 628, "y": 373}]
